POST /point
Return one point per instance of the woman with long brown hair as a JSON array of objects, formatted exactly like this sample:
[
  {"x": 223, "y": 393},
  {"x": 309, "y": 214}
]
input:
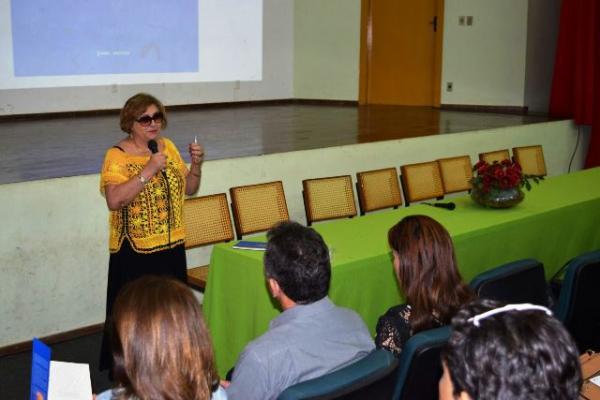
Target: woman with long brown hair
[
  {"x": 425, "y": 266},
  {"x": 161, "y": 347}
]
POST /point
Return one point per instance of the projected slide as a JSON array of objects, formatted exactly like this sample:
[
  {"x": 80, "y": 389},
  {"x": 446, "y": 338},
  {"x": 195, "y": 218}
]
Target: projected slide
[
  {"x": 80, "y": 43},
  {"x": 74, "y": 37}
]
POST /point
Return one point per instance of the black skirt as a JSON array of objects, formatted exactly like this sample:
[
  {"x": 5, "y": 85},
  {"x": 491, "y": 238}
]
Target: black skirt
[{"x": 125, "y": 266}]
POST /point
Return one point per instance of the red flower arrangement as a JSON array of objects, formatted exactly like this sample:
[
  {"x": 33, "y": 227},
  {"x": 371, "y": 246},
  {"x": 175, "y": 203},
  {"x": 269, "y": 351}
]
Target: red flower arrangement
[{"x": 499, "y": 176}]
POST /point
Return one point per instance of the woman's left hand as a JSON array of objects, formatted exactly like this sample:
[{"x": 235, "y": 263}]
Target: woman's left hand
[{"x": 196, "y": 153}]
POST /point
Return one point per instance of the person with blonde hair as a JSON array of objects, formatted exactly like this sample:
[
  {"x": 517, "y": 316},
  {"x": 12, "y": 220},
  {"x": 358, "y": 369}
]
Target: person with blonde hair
[{"x": 161, "y": 346}]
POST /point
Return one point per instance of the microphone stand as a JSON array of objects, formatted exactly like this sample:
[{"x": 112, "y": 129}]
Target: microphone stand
[{"x": 153, "y": 146}]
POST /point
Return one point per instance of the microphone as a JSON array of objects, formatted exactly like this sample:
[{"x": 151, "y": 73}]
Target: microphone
[
  {"x": 447, "y": 206},
  {"x": 153, "y": 146}
]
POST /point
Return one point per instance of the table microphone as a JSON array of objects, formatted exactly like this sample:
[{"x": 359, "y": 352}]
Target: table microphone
[{"x": 447, "y": 206}]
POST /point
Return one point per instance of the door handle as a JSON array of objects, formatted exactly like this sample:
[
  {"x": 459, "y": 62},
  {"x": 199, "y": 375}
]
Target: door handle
[{"x": 434, "y": 23}]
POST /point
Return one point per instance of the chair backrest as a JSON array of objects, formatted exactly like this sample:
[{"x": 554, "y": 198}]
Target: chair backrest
[
  {"x": 578, "y": 306},
  {"x": 497, "y": 155},
  {"x": 531, "y": 159},
  {"x": 257, "y": 208},
  {"x": 206, "y": 220},
  {"x": 378, "y": 189},
  {"x": 421, "y": 181},
  {"x": 358, "y": 380},
  {"x": 328, "y": 198},
  {"x": 420, "y": 366},
  {"x": 457, "y": 173},
  {"x": 520, "y": 281}
]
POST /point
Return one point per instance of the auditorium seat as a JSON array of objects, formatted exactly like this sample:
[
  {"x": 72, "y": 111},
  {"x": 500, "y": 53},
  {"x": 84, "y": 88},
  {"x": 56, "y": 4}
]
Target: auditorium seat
[
  {"x": 457, "y": 173},
  {"x": 257, "y": 208},
  {"x": 578, "y": 306},
  {"x": 521, "y": 281},
  {"x": 360, "y": 380},
  {"x": 531, "y": 160},
  {"x": 420, "y": 366},
  {"x": 421, "y": 181},
  {"x": 207, "y": 221},
  {"x": 328, "y": 198},
  {"x": 378, "y": 189}
]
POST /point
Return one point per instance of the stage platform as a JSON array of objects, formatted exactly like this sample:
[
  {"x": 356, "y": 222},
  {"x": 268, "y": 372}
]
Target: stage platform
[{"x": 57, "y": 146}]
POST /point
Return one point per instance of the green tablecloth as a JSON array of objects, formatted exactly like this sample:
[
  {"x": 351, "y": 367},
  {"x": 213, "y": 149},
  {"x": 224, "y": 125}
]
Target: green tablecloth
[{"x": 558, "y": 220}]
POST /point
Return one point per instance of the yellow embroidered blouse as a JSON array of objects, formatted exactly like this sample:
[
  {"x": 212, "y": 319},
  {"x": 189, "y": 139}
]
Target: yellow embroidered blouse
[{"x": 153, "y": 221}]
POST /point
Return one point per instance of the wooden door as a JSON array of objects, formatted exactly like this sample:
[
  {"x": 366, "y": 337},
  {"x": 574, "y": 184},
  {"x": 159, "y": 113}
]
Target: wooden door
[{"x": 401, "y": 43}]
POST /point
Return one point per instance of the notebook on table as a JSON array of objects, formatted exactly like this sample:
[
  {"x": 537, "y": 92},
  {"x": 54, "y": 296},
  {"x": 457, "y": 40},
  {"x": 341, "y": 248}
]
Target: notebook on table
[{"x": 250, "y": 245}]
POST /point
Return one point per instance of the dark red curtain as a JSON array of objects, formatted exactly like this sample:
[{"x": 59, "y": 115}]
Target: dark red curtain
[{"x": 576, "y": 81}]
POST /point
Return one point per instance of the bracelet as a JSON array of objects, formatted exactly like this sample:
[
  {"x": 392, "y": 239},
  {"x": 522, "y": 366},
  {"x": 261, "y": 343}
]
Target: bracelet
[
  {"x": 142, "y": 179},
  {"x": 196, "y": 175}
]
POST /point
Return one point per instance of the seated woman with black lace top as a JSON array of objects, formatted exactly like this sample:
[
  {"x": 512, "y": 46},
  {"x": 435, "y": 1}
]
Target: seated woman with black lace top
[{"x": 425, "y": 266}]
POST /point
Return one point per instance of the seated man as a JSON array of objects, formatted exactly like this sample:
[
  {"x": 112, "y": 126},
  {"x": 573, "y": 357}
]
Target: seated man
[
  {"x": 312, "y": 336},
  {"x": 515, "y": 352}
]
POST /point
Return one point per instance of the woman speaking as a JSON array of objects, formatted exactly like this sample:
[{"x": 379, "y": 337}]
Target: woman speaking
[{"x": 144, "y": 180}]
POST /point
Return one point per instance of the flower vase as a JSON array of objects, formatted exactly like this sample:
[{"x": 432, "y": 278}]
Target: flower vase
[{"x": 498, "y": 198}]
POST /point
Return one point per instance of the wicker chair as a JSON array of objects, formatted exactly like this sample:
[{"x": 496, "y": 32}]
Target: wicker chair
[
  {"x": 421, "y": 181},
  {"x": 497, "y": 155},
  {"x": 456, "y": 173},
  {"x": 257, "y": 208},
  {"x": 328, "y": 198},
  {"x": 378, "y": 189},
  {"x": 207, "y": 221},
  {"x": 531, "y": 159}
]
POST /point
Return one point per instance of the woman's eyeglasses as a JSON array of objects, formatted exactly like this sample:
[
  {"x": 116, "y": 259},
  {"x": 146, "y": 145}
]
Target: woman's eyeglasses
[{"x": 146, "y": 120}]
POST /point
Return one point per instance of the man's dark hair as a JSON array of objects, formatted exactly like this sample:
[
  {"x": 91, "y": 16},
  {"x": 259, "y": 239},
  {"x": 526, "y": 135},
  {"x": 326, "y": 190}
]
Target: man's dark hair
[
  {"x": 298, "y": 259},
  {"x": 516, "y": 355}
]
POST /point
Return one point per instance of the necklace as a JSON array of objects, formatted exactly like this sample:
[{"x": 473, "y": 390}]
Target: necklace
[{"x": 139, "y": 149}]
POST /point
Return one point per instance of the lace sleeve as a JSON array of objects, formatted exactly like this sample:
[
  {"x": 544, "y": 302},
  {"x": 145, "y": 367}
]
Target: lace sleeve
[{"x": 393, "y": 329}]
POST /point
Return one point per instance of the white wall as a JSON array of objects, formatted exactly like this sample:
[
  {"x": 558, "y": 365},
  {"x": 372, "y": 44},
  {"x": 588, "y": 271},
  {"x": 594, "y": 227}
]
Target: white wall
[
  {"x": 54, "y": 257},
  {"x": 311, "y": 50},
  {"x": 485, "y": 61},
  {"x": 277, "y": 82},
  {"x": 504, "y": 59},
  {"x": 326, "y": 49}
]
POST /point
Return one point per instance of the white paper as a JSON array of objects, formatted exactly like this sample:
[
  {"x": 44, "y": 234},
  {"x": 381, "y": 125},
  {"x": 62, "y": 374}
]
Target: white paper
[
  {"x": 596, "y": 380},
  {"x": 69, "y": 381}
]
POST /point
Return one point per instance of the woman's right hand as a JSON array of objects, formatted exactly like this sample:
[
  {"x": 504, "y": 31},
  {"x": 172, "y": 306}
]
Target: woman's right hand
[{"x": 157, "y": 162}]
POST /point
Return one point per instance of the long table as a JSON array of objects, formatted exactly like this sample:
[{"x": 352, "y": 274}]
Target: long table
[{"x": 559, "y": 219}]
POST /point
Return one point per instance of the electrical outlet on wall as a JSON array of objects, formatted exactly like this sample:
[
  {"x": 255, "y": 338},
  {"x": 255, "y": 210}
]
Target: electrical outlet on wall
[
  {"x": 461, "y": 20},
  {"x": 469, "y": 20},
  {"x": 449, "y": 86}
]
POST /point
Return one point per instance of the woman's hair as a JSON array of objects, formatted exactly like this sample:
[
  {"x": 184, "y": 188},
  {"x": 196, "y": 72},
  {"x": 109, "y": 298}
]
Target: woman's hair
[
  {"x": 161, "y": 347},
  {"x": 520, "y": 355},
  {"x": 135, "y": 106},
  {"x": 427, "y": 273}
]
